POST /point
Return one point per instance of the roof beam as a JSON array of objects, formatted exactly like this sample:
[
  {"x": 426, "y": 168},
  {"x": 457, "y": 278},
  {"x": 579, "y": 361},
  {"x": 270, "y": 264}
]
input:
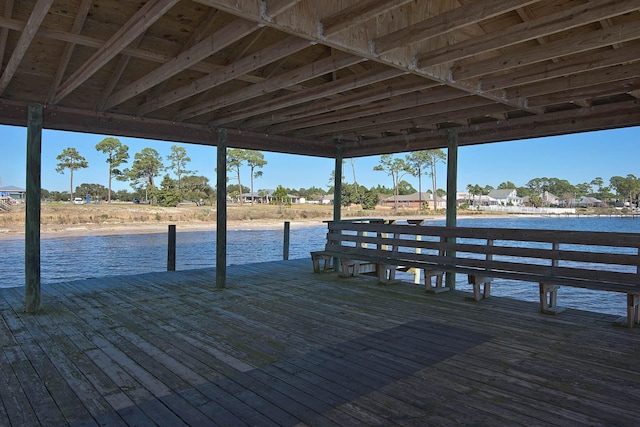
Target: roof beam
[
  {"x": 571, "y": 46},
  {"x": 591, "y": 91},
  {"x": 138, "y": 24},
  {"x": 576, "y": 81},
  {"x": 394, "y": 122},
  {"x": 357, "y": 13},
  {"x": 478, "y": 108},
  {"x": 273, "y": 8},
  {"x": 544, "y": 71},
  {"x": 4, "y": 32},
  {"x": 311, "y": 94},
  {"x": 115, "y": 76},
  {"x": 348, "y": 100},
  {"x": 563, "y": 122},
  {"x": 26, "y": 37},
  {"x": 71, "y": 119},
  {"x": 410, "y": 105},
  {"x": 315, "y": 69},
  {"x": 78, "y": 23},
  {"x": 462, "y": 16},
  {"x": 222, "y": 38},
  {"x": 529, "y": 30},
  {"x": 302, "y": 27},
  {"x": 276, "y": 51}
]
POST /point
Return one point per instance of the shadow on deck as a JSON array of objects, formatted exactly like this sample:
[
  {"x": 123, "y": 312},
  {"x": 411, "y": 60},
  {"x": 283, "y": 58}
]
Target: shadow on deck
[{"x": 283, "y": 346}]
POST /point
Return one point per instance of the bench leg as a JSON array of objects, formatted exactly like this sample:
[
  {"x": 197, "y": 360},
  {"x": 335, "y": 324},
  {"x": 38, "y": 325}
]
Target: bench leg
[
  {"x": 349, "y": 268},
  {"x": 428, "y": 274},
  {"x": 386, "y": 273},
  {"x": 477, "y": 281},
  {"x": 633, "y": 310},
  {"x": 317, "y": 259},
  {"x": 549, "y": 299}
]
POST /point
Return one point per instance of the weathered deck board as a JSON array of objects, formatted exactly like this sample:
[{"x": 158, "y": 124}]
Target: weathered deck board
[{"x": 284, "y": 346}]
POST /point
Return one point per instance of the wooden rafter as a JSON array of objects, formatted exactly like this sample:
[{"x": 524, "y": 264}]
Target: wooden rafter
[
  {"x": 401, "y": 106},
  {"x": 544, "y": 71},
  {"x": 26, "y": 37},
  {"x": 274, "y": 8},
  {"x": 528, "y": 30},
  {"x": 311, "y": 94},
  {"x": 78, "y": 22},
  {"x": 245, "y": 65},
  {"x": 299, "y": 75},
  {"x": 391, "y": 91},
  {"x": 143, "y": 19},
  {"x": 577, "y": 44},
  {"x": 389, "y": 121},
  {"x": 592, "y": 91},
  {"x": 462, "y": 16},
  {"x": 571, "y": 82},
  {"x": 477, "y": 108},
  {"x": 222, "y": 38},
  {"x": 4, "y": 32},
  {"x": 115, "y": 76},
  {"x": 357, "y": 13}
]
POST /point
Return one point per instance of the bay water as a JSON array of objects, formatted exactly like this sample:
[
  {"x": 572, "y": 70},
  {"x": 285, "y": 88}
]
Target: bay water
[{"x": 81, "y": 257}]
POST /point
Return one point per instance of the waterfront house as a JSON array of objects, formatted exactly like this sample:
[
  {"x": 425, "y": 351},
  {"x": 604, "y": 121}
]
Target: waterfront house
[
  {"x": 414, "y": 200},
  {"x": 506, "y": 197},
  {"x": 14, "y": 193}
]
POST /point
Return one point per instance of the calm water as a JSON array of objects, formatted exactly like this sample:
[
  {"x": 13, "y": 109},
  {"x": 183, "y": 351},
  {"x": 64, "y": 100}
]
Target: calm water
[{"x": 71, "y": 258}]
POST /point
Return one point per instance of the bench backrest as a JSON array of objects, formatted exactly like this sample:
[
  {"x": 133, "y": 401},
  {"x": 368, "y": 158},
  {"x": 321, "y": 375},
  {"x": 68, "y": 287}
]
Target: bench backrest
[{"x": 589, "y": 258}]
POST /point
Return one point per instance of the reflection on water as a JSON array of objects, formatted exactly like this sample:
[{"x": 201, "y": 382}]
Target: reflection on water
[{"x": 71, "y": 258}]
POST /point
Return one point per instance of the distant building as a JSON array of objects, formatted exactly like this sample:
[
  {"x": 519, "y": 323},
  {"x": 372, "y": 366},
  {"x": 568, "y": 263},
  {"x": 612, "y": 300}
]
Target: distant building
[
  {"x": 506, "y": 197},
  {"x": 413, "y": 201},
  {"x": 327, "y": 199},
  {"x": 267, "y": 197},
  {"x": 13, "y": 192}
]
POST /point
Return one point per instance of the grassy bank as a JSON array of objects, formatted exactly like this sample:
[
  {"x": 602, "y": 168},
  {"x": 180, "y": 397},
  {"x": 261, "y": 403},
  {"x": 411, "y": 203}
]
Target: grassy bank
[{"x": 59, "y": 216}]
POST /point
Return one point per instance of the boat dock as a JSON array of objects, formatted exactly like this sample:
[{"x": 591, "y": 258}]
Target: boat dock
[{"x": 283, "y": 346}]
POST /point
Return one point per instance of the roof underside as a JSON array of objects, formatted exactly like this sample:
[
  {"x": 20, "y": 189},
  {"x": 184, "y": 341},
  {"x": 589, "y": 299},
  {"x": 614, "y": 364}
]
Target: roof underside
[{"x": 299, "y": 76}]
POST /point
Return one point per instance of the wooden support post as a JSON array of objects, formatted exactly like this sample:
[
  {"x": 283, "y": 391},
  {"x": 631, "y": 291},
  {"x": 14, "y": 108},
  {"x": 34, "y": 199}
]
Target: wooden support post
[
  {"x": 337, "y": 185},
  {"x": 221, "y": 210},
  {"x": 285, "y": 248},
  {"x": 32, "y": 215},
  {"x": 171, "y": 248},
  {"x": 452, "y": 188},
  {"x": 337, "y": 193}
]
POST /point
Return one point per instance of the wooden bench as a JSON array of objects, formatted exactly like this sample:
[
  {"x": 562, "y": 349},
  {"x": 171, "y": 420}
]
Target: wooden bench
[{"x": 552, "y": 258}]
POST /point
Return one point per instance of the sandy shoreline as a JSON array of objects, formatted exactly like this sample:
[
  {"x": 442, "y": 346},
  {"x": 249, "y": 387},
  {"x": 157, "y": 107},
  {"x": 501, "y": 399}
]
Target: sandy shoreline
[
  {"x": 116, "y": 229},
  {"x": 92, "y": 229}
]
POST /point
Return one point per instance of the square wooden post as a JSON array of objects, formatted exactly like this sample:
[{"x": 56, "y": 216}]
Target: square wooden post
[
  {"x": 452, "y": 184},
  {"x": 32, "y": 220},
  {"x": 337, "y": 193},
  {"x": 221, "y": 211}
]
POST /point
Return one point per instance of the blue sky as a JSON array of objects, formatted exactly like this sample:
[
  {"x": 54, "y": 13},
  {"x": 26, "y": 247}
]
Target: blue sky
[{"x": 577, "y": 158}]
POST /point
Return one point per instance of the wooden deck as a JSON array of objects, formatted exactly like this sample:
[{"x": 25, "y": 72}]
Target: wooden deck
[{"x": 283, "y": 346}]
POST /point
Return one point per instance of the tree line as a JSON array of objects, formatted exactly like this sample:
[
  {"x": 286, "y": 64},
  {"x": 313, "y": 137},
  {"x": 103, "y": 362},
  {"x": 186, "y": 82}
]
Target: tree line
[
  {"x": 142, "y": 176},
  {"x": 619, "y": 189},
  {"x": 187, "y": 185}
]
